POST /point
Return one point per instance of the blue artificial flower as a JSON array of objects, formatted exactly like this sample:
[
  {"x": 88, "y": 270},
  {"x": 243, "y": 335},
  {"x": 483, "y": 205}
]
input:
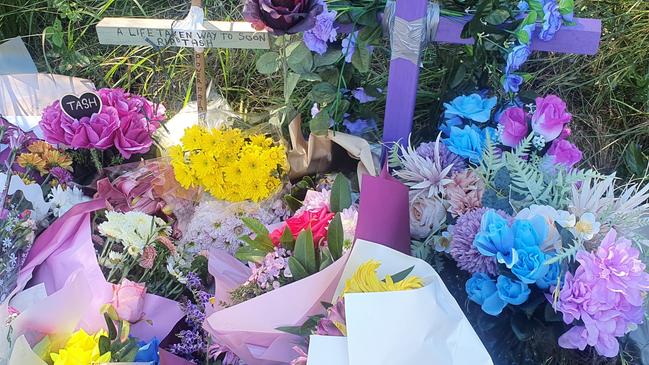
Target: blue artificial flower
[
  {"x": 359, "y": 126},
  {"x": 473, "y": 107},
  {"x": 530, "y": 232},
  {"x": 496, "y": 238},
  {"x": 148, "y": 352},
  {"x": 552, "y": 20},
  {"x": 530, "y": 266},
  {"x": 362, "y": 96},
  {"x": 467, "y": 142},
  {"x": 446, "y": 126},
  {"x": 517, "y": 57},
  {"x": 323, "y": 32},
  {"x": 512, "y": 291},
  {"x": 550, "y": 277},
  {"x": 512, "y": 83},
  {"x": 482, "y": 290},
  {"x": 349, "y": 46},
  {"x": 523, "y": 6}
]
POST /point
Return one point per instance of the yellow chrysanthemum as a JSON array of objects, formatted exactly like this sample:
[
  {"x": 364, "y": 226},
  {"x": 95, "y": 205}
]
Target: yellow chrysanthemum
[
  {"x": 184, "y": 175},
  {"x": 193, "y": 138},
  {"x": 31, "y": 161},
  {"x": 176, "y": 153},
  {"x": 56, "y": 158},
  {"x": 366, "y": 280},
  {"x": 39, "y": 147},
  {"x": 81, "y": 349}
]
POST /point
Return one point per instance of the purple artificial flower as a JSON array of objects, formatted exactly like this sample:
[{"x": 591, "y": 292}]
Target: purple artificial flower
[
  {"x": 282, "y": 16},
  {"x": 606, "y": 293},
  {"x": 61, "y": 175},
  {"x": 513, "y": 125},
  {"x": 16, "y": 138},
  {"x": 349, "y": 46},
  {"x": 550, "y": 117},
  {"x": 463, "y": 251},
  {"x": 552, "y": 20},
  {"x": 359, "y": 126},
  {"x": 512, "y": 83},
  {"x": 98, "y": 131},
  {"x": 58, "y": 127},
  {"x": 362, "y": 97},
  {"x": 133, "y": 136},
  {"x": 334, "y": 321},
  {"x": 447, "y": 158},
  {"x": 324, "y": 31},
  {"x": 564, "y": 153},
  {"x": 193, "y": 282},
  {"x": 516, "y": 57}
]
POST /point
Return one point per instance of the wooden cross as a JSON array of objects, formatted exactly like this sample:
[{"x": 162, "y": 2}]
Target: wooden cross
[
  {"x": 162, "y": 33},
  {"x": 582, "y": 38}
]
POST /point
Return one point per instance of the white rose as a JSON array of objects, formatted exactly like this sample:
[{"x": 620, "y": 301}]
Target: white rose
[{"x": 426, "y": 215}]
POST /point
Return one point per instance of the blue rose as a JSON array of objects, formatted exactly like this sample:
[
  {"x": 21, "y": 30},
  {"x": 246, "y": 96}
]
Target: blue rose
[
  {"x": 530, "y": 232},
  {"x": 148, "y": 352},
  {"x": 467, "y": 142},
  {"x": 523, "y": 6},
  {"x": 360, "y": 126},
  {"x": 496, "y": 238},
  {"x": 512, "y": 83},
  {"x": 472, "y": 107},
  {"x": 516, "y": 57},
  {"x": 530, "y": 266},
  {"x": 552, "y": 20},
  {"x": 445, "y": 127},
  {"x": 482, "y": 290},
  {"x": 550, "y": 277},
  {"x": 512, "y": 291}
]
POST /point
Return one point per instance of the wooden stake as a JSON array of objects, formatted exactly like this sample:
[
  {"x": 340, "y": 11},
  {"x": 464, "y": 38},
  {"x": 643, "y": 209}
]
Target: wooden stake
[{"x": 201, "y": 82}]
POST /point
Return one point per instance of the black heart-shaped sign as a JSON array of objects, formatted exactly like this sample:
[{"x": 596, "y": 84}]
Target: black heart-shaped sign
[{"x": 83, "y": 106}]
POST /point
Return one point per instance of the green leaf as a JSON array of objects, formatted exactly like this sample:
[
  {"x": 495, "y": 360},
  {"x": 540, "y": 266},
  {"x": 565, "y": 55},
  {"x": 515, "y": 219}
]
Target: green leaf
[
  {"x": 293, "y": 204},
  {"x": 323, "y": 93},
  {"x": 329, "y": 58},
  {"x": 458, "y": 77},
  {"x": 550, "y": 315},
  {"x": 247, "y": 253},
  {"x": 104, "y": 345},
  {"x": 566, "y": 6},
  {"x": 305, "y": 251},
  {"x": 634, "y": 160},
  {"x": 260, "y": 231},
  {"x": 361, "y": 58},
  {"x": 536, "y": 5},
  {"x": 522, "y": 326},
  {"x": 420, "y": 250},
  {"x": 297, "y": 270},
  {"x": 341, "y": 194},
  {"x": 127, "y": 352},
  {"x": 523, "y": 36},
  {"x": 326, "y": 259},
  {"x": 336, "y": 237},
  {"x": 311, "y": 77},
  {"x": 497, "y": 17},
  {"x": 320, "y": 124},
  {"x": 112, "y": 331},
  {"x": 529, "y": 19},
  {"x": 300, "y": 60},
  {"x": 289, "y": 86},
  {"x": 124, "y": 330},
  {"x": 268, "y": 63},
  {"x": 287, "y": 240},
  {"x": 401, "y": 275},
  {"x": 258, "y": 244}
]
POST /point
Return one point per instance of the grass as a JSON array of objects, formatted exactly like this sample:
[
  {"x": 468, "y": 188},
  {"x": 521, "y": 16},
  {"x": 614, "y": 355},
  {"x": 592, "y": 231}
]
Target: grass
[{"x": 607, "y": 93}]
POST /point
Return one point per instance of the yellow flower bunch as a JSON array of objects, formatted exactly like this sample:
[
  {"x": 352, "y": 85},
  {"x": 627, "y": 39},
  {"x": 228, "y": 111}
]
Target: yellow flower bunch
[
  {"x": 81, "y": 349},
  {"x": 43, "y": 157},
  {"x": 366, "y": 280},
  {"x": 229, "y": 165}
]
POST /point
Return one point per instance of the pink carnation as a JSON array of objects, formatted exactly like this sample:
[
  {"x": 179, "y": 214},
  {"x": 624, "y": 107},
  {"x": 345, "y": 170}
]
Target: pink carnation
[
  {"x": 57, "y": 127},
  {"x": 98, "y": 131},
  {"x": 133, "y": 136}
]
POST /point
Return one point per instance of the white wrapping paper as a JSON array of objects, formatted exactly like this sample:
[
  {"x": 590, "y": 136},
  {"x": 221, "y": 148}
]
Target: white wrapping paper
[{"x": 422, "y": 326}]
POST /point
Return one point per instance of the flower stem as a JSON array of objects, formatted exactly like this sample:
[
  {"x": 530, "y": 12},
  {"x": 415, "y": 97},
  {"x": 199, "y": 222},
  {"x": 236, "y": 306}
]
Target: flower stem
[{"x": 97, "y": 160}]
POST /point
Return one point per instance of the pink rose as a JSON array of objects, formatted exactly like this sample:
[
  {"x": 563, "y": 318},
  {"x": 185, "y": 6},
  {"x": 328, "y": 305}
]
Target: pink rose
[
  {"x": 550, "y": 117},
  {"x": 98, "y": 131},
  {"x": 57, "y": 127},
  {"x": 116, "y": 98},
  {"x": 514, "y": 125},
  {"x": 128, "y": 300},
  {"x": 318, "y": 221},
  {"x": 133, "y": 136},
  {"x": 564, "y": 153}
]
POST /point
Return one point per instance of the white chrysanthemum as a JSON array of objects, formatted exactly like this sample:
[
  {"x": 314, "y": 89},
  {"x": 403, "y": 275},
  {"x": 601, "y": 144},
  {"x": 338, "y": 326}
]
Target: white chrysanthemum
[
  {"x": 421, "y": 173},
  {"x": 135, "y": 230},
  {"x": 349, "y": 218},
  {"x": 63, "y": 199}
]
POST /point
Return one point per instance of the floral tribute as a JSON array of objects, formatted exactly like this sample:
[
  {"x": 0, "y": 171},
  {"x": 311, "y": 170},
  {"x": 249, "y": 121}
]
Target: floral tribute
[
  {"x": 125, "y": 122},
  {"x": 229, "y": 165}
]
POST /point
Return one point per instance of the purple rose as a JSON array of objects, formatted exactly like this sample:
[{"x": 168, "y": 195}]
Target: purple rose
[
  {"x": 57, "y": 127},
  {"x": 98, "y": 131},
  {"x": 564, "y": 153},
  {"x": 550, "y": 117},
  {"x": 517, "y": 57},
  {"x": 514, "y": 126},
  {"x": 282, "y": 16},
  {"x": 512, "y": 83},
  {"x": 133, "y": 136},
  {"x": 552, "y": 20},
  {"x": 116, "y": 98}
]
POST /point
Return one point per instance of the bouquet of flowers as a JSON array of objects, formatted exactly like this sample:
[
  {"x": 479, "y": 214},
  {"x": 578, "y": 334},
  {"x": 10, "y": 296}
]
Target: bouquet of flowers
[{"x": 539, "y": 237}]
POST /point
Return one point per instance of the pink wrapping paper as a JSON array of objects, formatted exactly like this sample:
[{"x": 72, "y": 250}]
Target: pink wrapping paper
[
  {"x": 64, "y": 260},
  {"x": 249, "y": 328}
]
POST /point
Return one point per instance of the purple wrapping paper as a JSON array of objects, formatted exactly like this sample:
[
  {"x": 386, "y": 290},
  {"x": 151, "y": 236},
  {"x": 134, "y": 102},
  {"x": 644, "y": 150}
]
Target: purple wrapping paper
[
  {"x": 64, "y": 251},
  {"x": 383, "y": 215}
]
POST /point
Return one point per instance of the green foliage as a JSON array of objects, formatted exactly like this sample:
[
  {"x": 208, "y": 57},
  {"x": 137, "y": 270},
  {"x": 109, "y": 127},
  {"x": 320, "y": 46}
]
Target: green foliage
[
  {"x": 268, "y": 63},
  {"x": 122, "y": 347},
  {"x": 341, "y": 194},
  {"x": 336, "y": 237},
  {"x": 305, "y": 251}
]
